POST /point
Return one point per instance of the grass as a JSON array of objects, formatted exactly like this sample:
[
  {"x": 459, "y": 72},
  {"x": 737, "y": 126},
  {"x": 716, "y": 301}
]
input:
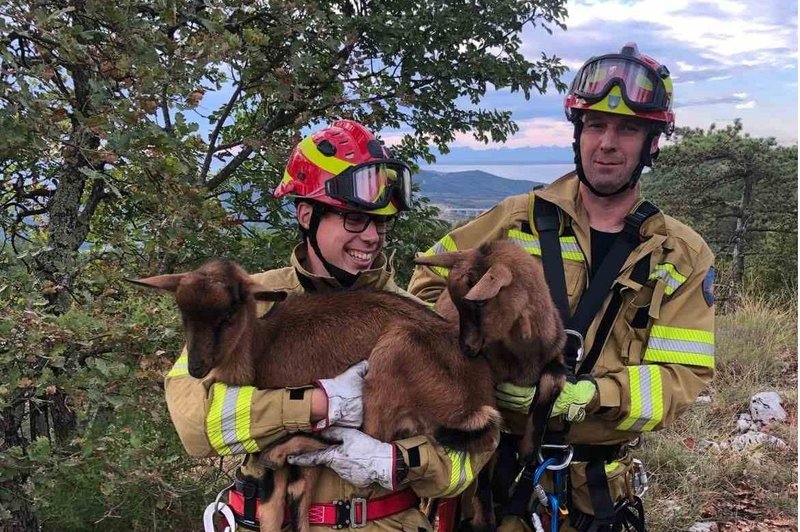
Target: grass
[{"x": 754, "y": 489}]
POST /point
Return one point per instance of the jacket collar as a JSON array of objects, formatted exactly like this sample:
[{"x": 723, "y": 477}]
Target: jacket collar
[
  {"x": 565, "y": 193},
  {"x": 377, "y": 277}
]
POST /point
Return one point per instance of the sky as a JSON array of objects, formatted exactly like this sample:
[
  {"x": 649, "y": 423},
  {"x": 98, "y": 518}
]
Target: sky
[{"x": 728, "y": 58}]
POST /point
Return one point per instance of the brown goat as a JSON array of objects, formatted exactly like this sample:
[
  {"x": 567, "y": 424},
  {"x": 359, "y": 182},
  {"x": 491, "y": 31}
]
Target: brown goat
[{"x": 419, "y": 381}]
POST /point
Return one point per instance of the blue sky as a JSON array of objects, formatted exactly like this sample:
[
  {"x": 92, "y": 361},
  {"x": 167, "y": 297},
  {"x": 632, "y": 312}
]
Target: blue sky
[{"x": 729, "y": 59}]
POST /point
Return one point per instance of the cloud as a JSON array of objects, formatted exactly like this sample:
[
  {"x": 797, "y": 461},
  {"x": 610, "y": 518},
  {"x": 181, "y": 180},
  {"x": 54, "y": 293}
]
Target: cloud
[
  {"x": 532, "y": 132},
  {"x": 737, "y": 98},
  {"x": 747, "y": 105}
]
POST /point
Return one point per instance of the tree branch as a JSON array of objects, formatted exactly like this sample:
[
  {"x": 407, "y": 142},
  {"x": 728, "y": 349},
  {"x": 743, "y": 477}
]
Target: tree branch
[{"x": 212, "y": 140}]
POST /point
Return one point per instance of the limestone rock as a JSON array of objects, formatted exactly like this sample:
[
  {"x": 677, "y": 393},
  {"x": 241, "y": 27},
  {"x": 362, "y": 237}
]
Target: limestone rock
[{"x": 766, "y": 407}]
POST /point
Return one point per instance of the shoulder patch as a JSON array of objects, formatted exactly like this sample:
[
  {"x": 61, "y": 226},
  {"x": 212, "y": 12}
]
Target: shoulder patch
[{"x": 708, "y": 286}]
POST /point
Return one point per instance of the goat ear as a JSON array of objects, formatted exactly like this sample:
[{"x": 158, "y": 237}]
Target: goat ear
[
  {"x": 495, "y": 278},
  {"x": 446, "y": 260},
  {"x": 269, "y": 295},
  {"x": 168, "y": 282}
]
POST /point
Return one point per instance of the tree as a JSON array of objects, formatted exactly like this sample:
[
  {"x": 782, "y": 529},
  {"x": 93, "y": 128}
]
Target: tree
[
  {"x": 119, "y": 159},
  {"x": 101, "y": 101},
  {"x": 739, "y": 192}
]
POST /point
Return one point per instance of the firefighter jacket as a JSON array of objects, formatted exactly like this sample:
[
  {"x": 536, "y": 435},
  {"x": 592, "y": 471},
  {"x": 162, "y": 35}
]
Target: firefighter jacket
[
  {"x": 212, "y": 418},
  {"x": 659, "y": 354}
]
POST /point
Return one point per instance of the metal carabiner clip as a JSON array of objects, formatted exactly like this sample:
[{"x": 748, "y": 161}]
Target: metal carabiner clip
[
  {"x": 579, "y": 338},
  {"x": 567, "y": 453},
  {"x": 640, "y": 482},
  {"x": 219, "y": 507}
]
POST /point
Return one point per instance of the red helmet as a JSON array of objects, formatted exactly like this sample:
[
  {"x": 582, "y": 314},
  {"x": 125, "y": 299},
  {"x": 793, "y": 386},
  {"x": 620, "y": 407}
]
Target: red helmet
[
  {"x": 346, "y": 167},
  {"x": 627, "y": 83}
]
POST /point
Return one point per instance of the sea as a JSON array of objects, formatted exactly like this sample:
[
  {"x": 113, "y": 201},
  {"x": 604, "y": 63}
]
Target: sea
[{"x": 543, "y": 173}]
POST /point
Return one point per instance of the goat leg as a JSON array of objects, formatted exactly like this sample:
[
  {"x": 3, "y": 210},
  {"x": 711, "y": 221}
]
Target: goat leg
[
  {"x": 551, "y": 382},
  {"x": 300, "y": 494},
  {"x": 483, "y": 519},
  {"x": 270, "y": 511}
]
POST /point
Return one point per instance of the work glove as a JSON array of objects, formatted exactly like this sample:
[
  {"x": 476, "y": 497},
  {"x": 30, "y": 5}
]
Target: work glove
[
  {"x": 360, "y": 459},
  {"x": 574, "y": 400},
  {"x": 345, "y": 407},
  {"x": 514, "y": 398}
]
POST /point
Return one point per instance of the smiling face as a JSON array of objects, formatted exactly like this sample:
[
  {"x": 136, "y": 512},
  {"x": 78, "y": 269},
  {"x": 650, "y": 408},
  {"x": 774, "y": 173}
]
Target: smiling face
[
  {"x": 611, "y": 147},
  {"x": 352, "y": 252}
]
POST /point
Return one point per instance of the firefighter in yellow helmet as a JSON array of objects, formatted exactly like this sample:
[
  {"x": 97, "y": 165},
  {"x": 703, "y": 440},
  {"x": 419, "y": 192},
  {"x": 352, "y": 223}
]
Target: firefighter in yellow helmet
[
  {"x": 347, "y": 191},
  {"x": 635, "y": 291}
]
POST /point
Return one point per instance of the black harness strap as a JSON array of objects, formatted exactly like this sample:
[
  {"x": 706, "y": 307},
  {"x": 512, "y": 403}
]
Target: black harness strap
[{"x": 548, "y": 221}]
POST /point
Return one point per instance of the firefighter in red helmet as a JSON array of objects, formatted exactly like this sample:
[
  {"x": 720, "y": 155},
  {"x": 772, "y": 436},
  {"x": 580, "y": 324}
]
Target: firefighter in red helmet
[{"x": 347, "y": 191}]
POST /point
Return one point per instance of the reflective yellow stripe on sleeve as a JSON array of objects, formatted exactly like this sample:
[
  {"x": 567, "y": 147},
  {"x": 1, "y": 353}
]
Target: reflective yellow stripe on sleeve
[
  {"x": 647, "y": 399},
  {"x": 228, "y": 422},
  {"x": 461, "y": 474},
  {"x": 181, "y": 366},
  {"x": 445, "y": 245},
  {"x": 530, "y": 243},
  {"x": 676, "y": 345},
  {"x": 671, "y": 277}
]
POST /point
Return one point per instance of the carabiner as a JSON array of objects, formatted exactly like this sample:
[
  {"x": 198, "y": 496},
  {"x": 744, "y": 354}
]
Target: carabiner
[
  {"x": 219, "y": 507},
  {"x": 566, "y": 449}
]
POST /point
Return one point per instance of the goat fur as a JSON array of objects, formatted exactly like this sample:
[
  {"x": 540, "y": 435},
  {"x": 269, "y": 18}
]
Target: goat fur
[{"x": 419, "y": 381}]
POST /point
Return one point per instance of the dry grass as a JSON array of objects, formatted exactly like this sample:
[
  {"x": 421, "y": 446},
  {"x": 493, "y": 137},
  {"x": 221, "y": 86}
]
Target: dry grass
[{"x": 755, "y": 489}]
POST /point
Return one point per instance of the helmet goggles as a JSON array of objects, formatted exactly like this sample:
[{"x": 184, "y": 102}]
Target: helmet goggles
[
  {"x": 372, "y": 185},
  {"x": 641, "y": 85}
]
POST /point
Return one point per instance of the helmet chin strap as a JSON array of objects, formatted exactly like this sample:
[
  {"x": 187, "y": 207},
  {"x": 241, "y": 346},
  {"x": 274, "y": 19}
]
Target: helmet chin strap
[
  {"x": 345, "y": 278},
  {"x": 645, "y": 159}
]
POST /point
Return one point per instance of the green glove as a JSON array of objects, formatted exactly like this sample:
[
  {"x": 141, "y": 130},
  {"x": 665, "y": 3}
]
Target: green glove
[
  {"x": 573, "y": 400},
  {"x": 515, "y": 398}
]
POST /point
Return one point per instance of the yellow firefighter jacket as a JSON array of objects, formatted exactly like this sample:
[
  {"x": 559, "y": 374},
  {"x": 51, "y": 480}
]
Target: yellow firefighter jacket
[
  {"x": 647, "y": 375},
  {"x": 212, "y": 418}
]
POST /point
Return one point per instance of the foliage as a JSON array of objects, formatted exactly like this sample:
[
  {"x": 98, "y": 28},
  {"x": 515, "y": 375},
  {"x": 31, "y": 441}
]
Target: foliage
[
  {"x": 106, "y": 103},
  {"x": 694, "y": 476},
  {"x": 740, "y": 193}
]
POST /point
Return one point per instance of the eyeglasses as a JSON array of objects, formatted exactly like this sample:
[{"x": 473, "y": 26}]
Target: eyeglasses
[{"x": 357, "y": 222}]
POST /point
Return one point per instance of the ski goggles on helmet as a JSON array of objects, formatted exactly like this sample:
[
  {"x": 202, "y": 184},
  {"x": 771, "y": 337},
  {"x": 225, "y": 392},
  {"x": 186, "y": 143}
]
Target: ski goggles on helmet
[
  {"x": 641, "y": 85},
  {"x": 372, "y": 185}
]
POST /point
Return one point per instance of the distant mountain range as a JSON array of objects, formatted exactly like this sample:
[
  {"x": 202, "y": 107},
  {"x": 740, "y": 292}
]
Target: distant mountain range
[
  {"x": 537, "y": 155},
  {"x": 471, "y": 189}
]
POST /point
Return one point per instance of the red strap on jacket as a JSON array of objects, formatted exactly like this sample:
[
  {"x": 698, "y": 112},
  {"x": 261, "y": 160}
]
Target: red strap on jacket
[
  {"x": 347, "y": 512},
  {"x": 446, "y": 512}
]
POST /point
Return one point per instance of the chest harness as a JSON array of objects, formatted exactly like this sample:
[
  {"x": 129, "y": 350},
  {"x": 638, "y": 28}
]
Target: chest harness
[{"x": 556, "y": 453}]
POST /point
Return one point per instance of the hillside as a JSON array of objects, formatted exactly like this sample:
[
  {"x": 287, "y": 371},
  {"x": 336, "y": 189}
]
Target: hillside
[{"x": 472, "y": 189}]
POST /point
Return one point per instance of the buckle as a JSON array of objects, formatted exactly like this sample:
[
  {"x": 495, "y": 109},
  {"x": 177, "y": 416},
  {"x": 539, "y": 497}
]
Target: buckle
[
  {"x": 355, "y": 503},
  {"x": 347, "y": 513},
  {"x": 640, "y": 481}
]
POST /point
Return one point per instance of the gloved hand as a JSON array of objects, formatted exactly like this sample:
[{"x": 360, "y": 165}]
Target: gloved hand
[
  {"x": 344, "y": 397},
  {"x": 514, "y": 398},
  {"x": 359, "y": 459},
  {"x": 574, "y": 399}
]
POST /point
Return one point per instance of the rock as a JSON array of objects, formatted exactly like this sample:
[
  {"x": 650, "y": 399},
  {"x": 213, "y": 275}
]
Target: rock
[
  {"x": 766, "y": 407},
  {"x": 704, "y": 526},
  {"x": 704, "y": 445},
  {"x": 752, "y": 438},
  {"x": 744, "y": 423}
]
